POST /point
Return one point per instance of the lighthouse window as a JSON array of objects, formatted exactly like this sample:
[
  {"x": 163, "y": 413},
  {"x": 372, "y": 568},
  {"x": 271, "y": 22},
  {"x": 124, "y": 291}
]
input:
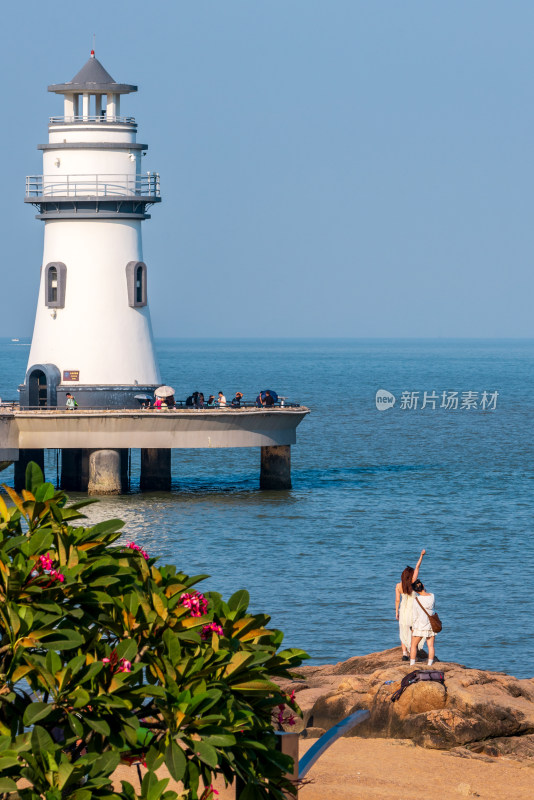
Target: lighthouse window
[
  {"x": 139, "y": 285},
  {"x": 52, "y": 282},
  {"x": 55, "y": 282},
  {"x": 136, "y": 282}
]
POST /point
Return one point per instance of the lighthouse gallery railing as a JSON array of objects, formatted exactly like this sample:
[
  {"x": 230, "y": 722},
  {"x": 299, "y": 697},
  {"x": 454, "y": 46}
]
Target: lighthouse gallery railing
[
  {"x": 102, "y": 119},
  {"x": 93, "y": 185}
]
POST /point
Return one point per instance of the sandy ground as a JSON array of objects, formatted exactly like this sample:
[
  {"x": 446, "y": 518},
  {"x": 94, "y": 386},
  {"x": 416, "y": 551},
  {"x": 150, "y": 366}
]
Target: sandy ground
[{"x": 389, "y": 769}]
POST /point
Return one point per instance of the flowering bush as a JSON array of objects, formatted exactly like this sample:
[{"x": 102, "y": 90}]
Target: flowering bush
[{"x": 106, "y": 656}]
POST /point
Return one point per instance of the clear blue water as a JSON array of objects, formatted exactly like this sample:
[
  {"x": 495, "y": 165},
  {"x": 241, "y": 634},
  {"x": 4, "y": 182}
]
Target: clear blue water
[{"x": 370, "y": 490}]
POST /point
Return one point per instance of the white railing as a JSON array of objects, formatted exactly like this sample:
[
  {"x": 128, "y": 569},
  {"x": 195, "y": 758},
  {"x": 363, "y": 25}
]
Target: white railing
[
  {"x": 93, "y": 185},
  {"x": 102, "y": 119}
]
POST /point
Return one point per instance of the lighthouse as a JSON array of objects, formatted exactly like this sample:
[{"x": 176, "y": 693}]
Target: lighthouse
[{"x": 92, "y": 335}]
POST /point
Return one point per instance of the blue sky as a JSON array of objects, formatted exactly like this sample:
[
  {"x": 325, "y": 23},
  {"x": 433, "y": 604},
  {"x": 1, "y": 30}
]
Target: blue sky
[{"x": 342, "y": 168}]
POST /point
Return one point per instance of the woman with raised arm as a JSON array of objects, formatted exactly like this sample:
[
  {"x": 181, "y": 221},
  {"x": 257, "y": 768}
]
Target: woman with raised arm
[{"x": 404, "y": 598}]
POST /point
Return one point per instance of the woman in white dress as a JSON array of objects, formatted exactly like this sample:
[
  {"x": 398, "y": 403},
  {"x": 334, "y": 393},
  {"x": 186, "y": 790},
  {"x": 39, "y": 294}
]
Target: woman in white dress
[
  {"x": 423, "y": 605},
  {"x": 404, "y": 598}
]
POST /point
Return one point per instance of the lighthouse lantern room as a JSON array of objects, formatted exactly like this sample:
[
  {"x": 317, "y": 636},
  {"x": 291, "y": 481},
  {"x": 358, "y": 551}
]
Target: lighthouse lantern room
[{"x": 92, "y": 335}]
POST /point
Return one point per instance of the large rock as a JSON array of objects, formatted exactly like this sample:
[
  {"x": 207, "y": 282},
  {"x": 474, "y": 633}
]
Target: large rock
[{"x": 474, "y": 706}]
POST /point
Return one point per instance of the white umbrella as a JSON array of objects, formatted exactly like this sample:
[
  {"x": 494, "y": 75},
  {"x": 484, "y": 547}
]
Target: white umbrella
[{"x": 164, "y": 391}]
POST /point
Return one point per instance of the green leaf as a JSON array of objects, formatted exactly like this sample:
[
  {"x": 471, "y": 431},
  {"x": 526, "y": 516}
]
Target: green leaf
[
  {"x": 75, "y": 664},
  {"x": 154, "y": 759},
  {"x": 34, "y": 477},
  {"x": 144, "y": 736},
  {"x": 40, "y": 540},
  {"x": 206, "y": 753},
  {"x": 151, "y": 788},
  {"x": 175, "y": 760},
  {"x": 35, "y": 712},
  {"x": 104, "y": 580},
  {"x": 7, "y": 785},
  {"x": 106, "y": 763},
  {"x": 239, "y": 600},
  {"x": 81, "y": 697},
  {"x": 238, "y": 661},
  {"x": 128, "y": 790},
  {"x": 65, "y": 771},
  {"x": 108, "y": 526},
  {"x": 64, "y": 639},
  {"x": 75, "y": 725},
  {"x": 53, "y": 662},
  {"x": 82, "y": 794},
  {"x": 127, "y": 649},
  {"x": 44, "y": 492},
  {"x": 8, "y": 761},
  {"x": 41, "y": 741},
  {"x": 92, "y": 671},
  {"x": 256, "y": 686},
  {"x": 220, "y": 739},
  {"x": 98, "y": 725},
  {"x": 172, "y": 644}
]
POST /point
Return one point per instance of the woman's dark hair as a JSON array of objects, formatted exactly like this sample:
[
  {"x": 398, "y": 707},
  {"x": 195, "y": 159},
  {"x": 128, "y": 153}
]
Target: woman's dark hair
[
  {"x": 406, "y": 580},
  {"x": 418, "y": 586}
]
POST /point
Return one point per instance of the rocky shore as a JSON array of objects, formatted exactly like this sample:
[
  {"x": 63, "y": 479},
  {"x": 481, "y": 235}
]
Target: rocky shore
[
  {"x": 446, "y": 739},
  {"x": 477, "y": 713}
]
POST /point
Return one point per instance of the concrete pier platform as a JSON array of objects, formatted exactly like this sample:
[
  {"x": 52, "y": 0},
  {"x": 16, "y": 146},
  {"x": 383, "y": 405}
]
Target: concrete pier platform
[{"x": 95, "y": 443}]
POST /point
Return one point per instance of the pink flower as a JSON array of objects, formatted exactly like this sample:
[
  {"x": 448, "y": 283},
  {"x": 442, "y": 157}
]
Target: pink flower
[
  {"x": 46, "y": 562},
  {"x": 138, "y": 549},
  {"x": 116, "y": 664},
  {"x": 209, "y": 792},
  {"x": 211, "y": 627},
  {"x": 195, "y": 602}
]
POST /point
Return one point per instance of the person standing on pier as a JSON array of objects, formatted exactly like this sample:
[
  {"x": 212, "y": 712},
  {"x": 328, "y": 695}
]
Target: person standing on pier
[{"x": 71, "y": 403}]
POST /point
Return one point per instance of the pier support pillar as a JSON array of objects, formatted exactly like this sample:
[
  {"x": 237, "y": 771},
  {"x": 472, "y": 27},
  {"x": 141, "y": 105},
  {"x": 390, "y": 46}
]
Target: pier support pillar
[
  {"x": 74, "y": 469},
  {"x": 25, "y": 456},
  {"x": 155, "y": 470},
  {"x": 275, "y": 472},
  {"x": 107, "y": 471}
]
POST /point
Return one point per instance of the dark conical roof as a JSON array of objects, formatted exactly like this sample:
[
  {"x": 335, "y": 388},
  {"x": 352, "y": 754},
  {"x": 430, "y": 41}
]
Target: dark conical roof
[
  {"x": 92, "y": 72},
  {"x": 92, "y": 78}
]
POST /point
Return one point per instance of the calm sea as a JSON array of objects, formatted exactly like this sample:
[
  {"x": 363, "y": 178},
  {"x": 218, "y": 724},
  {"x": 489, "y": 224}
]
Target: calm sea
[{"x": 371, "y": 488}]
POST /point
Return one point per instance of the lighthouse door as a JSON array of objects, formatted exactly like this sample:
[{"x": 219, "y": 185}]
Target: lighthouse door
[{"x": 38, "y": 388}]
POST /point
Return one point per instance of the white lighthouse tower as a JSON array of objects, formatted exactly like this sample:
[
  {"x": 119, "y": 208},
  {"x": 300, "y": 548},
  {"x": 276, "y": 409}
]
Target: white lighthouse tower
[{"x": 92, "y": 334}]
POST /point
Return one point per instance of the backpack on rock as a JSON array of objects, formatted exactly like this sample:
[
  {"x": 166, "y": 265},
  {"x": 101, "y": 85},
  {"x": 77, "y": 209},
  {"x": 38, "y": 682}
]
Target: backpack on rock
[{"x": 415, "y": 677}]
